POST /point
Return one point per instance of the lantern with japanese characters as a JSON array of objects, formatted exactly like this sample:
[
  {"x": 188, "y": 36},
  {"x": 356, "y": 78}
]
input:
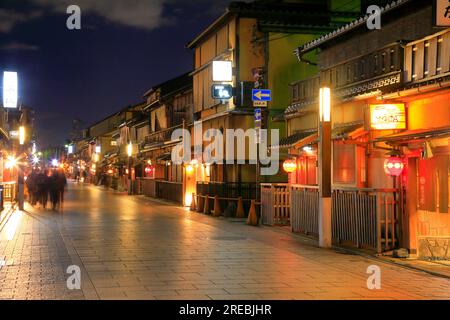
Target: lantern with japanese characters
[
  {"x": 290, "y": 165},
  {"x": 393, "y": 166}
]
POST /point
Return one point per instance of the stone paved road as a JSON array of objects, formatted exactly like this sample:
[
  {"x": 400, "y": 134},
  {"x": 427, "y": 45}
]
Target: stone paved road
[{"x": 134, "y": 248}]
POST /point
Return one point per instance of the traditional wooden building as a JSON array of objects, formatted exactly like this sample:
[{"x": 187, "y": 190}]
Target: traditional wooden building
[
  {"x": 391, "y": 129},
  {"x": 169, "y": 106},
  {"x": 257, "y": 38}
]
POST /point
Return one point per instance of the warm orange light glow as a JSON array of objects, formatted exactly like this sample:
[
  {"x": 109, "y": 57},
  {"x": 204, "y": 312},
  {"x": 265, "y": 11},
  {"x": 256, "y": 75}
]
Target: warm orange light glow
[
  {"x": 290, "y": 165},
  {"x": 387, "y": 116},
  {"x": 11, "y": 162},
  {"x": 130, "y": 149},
  {"x": 22, "y": 135},
  {"x": 325, "y": 104},
  {"x": 188, "y": 199},
  {"x": 189, "y": 169}
]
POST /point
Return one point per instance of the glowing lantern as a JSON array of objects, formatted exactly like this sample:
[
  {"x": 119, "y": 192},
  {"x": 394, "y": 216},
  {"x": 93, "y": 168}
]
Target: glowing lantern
[
  {"x": 393, "y": 166},
  {"x": 290, "y": 165},
  {"x": 148, "y": 170},
  {"x": 189, "y": 169}
]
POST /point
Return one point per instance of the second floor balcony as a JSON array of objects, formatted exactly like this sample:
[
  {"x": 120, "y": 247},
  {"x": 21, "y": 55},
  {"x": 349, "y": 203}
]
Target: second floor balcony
[{"x": 160, "y": 137}]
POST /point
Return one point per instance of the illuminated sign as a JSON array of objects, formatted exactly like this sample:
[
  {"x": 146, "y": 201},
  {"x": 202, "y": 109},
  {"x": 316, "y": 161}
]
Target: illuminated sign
[
  {"x": 387, "y": 116},
  {"x": 442, "y": 13},
  {"x": 10, "y": 90},
  {"x": 14, "y": 134},
  {"x": 222, "y": 91},
  {"x": 222, "y": 71}
]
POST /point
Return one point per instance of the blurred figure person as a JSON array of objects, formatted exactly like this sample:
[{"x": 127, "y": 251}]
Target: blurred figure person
[
  {"x": 54, "y": 191},
  {"x": 32, "y": 187},
  {"x": 61, "y": 183},
  {"x": 43, "y": 186}
]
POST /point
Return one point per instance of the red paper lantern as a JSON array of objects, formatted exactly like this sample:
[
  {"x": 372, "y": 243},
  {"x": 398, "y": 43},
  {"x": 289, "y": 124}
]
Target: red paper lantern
[
  {"x": 148, "y": 170},
  {"x": 393, "y": 166},
  {"x": 290, "y": 165}
]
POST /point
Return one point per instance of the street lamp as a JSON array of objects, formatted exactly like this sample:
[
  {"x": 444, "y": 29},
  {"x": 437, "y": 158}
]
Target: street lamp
[
  {"x": 21, "y": 179},
  {"x": 22, "y": 135},
  {"x": 325, "y": 235},
  {"x": 130, "y": 153}
]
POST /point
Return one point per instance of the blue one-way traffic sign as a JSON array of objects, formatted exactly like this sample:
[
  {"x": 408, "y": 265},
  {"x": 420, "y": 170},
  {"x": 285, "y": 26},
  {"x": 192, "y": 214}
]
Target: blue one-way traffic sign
[{"x": 261, "y": 95}]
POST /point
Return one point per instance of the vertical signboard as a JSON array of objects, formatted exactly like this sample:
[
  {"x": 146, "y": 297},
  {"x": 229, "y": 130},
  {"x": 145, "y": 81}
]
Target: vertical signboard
[
  {"x": 442, "y": 13},
  {"x": 10, "y": 89}
]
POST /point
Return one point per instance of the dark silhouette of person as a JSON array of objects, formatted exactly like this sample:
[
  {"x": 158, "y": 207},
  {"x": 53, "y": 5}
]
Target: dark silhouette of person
[
  {"x": 43, "y": 187},
  {"x": 61, "y": 183}
]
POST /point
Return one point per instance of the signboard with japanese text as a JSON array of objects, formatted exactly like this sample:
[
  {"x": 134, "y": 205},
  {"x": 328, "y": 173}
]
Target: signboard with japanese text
[
  {"x": 388, "y": 116},
  {"x": 442, "y": 13}
]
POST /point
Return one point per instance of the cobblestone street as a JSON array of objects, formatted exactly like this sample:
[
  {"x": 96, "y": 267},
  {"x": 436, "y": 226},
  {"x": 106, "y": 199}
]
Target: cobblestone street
[{"x": 136, "y": 248}]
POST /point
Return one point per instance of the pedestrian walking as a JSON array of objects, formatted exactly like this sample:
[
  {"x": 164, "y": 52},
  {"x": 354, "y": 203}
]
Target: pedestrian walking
[
  {"x": 54, "y": 191},
  {"x": 32, "y": 187},
  {"x": 43, "y": 186},
  {"x": 61, "y": 183}
]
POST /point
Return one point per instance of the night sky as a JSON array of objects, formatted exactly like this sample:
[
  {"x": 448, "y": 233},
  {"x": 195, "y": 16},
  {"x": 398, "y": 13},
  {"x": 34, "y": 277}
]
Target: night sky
[{"x": 123, "y": 48}]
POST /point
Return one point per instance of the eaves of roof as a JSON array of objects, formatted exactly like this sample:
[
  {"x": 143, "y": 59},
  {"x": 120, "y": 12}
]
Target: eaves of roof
[{"x": 354, "y": 25}]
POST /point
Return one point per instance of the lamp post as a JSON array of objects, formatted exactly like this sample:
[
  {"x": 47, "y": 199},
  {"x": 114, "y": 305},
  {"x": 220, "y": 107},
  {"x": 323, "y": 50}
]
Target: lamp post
[
  {"x": 21, "y": 180},
  {"x": 325, "y": 236},
  {"x": 130, "y": 153}
]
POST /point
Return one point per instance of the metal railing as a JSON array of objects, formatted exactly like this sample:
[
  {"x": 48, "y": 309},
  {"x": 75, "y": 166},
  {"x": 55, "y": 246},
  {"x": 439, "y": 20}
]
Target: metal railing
[
  {"x": 366, "y": 217},
  {"x": 245, "y": 190},
  {"x": 227, "y": 189},
  {"x": 148, "y": 187},
  {"x": 305, "y": 209},
  {"x": 171, "y": 191},
  {"x": 275, "y": 203}
]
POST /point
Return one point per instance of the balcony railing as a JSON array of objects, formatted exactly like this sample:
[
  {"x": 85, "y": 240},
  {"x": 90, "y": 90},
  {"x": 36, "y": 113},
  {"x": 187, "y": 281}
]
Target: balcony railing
[
  {"x": 305, "y": 90},
  {"x": 161, "y": 136},
  {"x": 427, "y": 58},
  {"x": 379, "y": 70}
]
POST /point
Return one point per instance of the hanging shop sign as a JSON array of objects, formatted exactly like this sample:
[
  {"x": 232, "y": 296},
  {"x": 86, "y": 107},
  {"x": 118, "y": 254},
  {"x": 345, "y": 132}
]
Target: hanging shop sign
[
  {"x": 388, "y": 116},
  {"x": 222, "y": 91}
]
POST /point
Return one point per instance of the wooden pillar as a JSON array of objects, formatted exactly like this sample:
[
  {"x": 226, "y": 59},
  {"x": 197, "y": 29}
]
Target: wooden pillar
[{"x": 410, "y": 221}]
